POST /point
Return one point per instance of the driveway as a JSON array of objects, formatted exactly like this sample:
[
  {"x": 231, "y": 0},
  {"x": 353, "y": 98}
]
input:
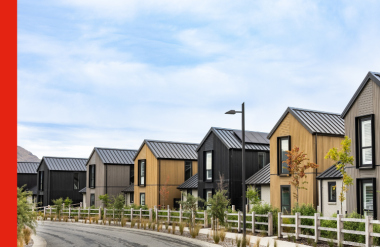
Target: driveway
[{"x": 78, "y": 234}]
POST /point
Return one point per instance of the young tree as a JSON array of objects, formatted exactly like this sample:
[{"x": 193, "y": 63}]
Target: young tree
[
  {"x": 164, "y": 191},
  {"x": 58, "y": 205},
  {"x": 190, "y": 207},
  {"x": 25, "y": 216},
  {"x": 117, "y": 204},
  {"x": 105, "y": 200},
  {"x": 296, "y": 167},
  {"x": 219, "y": 202},
  {"x": 68, "y": 202},
  {"x": 253, "y": 196},
  {"x": 342, "y": 159}
]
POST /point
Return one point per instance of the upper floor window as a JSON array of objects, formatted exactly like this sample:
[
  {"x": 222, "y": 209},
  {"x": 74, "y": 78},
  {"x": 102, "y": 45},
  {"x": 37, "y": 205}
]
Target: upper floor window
[
  {"x": 142, "y": 172},
  {"x": 209, "y": 165},
  {"x": 283, "y": 145},
  {"x": 365, "y": 141},
  {"x": 332, "y": 191},
  {"x": 132, "y": 175},
  {"x": 41, "y": 180},
  {"x": 262, "y": 157},
  {"x": 188, "y": 169},
  {"x": 76, "y": 181},
  {"x": 92, "y": 176}
]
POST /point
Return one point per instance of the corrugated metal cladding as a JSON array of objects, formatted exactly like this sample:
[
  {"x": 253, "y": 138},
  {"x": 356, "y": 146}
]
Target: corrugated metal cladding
[
  {"x": 191, "y": 183},
  {"x": 260, "y": 177},
  {"x": 116, "y": 156},
  {"x": 253, "y": 137},
  {"x": 82, "y": 190},
  {"x": 65, "y": 164},
  {"x": 331, "y": 172},
  {"x": 173, "y": 150},
  {"x": 321, "y": 122},
  {"x": 27, "y": 167},
  {"x": 230, "y": 139},
  {"x": 130, "y": 188}
]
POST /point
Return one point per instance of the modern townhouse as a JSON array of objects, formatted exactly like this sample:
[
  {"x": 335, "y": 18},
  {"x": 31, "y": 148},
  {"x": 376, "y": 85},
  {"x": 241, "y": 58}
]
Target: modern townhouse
[
  {"x": 27, "y": 175},
  {"x": 315, "y": 133},
  {"x": 163, "y": 166},
  {"x": 109, "y": 171},
  {"x": 220, "y": 154},
  {"x": 362, "y": 125},
  {"x": 260, "y": 181},
  {"x": 60, "y": 177}
]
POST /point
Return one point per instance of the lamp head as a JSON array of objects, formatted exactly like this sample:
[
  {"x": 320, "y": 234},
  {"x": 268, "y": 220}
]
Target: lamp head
[{"x": 231, "y": 112}]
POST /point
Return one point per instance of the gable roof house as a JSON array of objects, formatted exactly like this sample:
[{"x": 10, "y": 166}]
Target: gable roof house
[
  {"x": 362, "y": 118},
  {"x": 220, "y": 153},
  {"x": 60, "y": 177},
  {"x": 109, "y": 171},
  {"x": 315, "y": 133},
  {"x": 163, "y": 165},
  {"x": 27, "y": 175}
]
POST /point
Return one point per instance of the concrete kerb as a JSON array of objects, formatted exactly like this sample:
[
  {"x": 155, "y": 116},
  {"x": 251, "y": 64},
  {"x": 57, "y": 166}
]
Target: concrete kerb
[{"x": 38, "y": 241}]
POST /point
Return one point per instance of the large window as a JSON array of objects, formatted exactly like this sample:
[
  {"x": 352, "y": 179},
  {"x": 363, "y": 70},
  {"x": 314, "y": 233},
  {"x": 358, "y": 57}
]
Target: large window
[
  {"x": 188, "y": 169},
  {"x": 132, "y": 176},
  {"x": 209, "y": 165},
  {"x": 131, "y": 197},
  {"x": 142, "y": 199},
  {"x": 76, "y": 181},
  {"x": 332, "y": 191},
  {"x": 365, "y": 141},
  {"x": 366, "y": 197},
  {"x": 262, "y": 158},
  {"x": 283, "y": 146},
  {"x": 142, "y": 172},
  {"x": 91, "y": 180},
  {"x": 92, "y": 200},
  {"x": 285, "y": 199},
  {"x": 41, "y": 180}
]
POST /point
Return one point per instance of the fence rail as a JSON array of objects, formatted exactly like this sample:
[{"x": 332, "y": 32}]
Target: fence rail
[{"x": 252, "y": 221}]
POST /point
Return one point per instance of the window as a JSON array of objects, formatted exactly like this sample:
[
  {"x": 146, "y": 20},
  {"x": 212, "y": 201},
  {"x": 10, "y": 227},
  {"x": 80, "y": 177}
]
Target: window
[
  {"x": 283, "y": 146},
  {"x": 262, "y": 157},
  {"x": 76, "y": 181},
  {"x": 332, "y": 191},
  {"x": 209, "y": 165},
  {"x": 189, "y": 191},
  {"x": 142, "y": 199},
  {"x": 131, "y": 197},
  {"x": 365, "y": 141},
  {"x": 142, "y": 173},
  {"x": 92, "y": 200},
  {"x": 132, "y": 176},
  {"x": 208, "y": 196},
  {"x": 41, "y": 181},
  {"x": 285, "y": 199},
  {"x": 258, "y": 189},
  {"x": 92, "y": 176},
  {"x": 188, "y": 169}
]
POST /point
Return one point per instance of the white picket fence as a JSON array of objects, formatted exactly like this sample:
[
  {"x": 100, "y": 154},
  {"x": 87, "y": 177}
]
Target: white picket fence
[{"x": 253, "y": 222}]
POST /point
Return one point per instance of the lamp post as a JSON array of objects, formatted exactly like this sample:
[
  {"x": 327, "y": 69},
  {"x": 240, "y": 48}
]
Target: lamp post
[{"x": 243, "y": 160}]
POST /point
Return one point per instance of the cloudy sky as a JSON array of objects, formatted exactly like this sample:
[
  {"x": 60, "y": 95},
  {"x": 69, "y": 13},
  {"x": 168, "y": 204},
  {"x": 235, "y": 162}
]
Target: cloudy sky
[{"x": 112, "y": 73}]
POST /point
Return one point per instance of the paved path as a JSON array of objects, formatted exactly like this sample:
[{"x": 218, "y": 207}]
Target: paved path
[{"x": 77, "y": 234}]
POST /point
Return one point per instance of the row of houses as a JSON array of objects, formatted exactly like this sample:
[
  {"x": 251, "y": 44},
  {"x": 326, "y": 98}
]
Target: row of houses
[{"x": 164, "y": 172}]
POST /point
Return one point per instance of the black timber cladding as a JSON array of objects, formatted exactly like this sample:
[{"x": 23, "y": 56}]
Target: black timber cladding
[
  {"x": 191, "y": 183},
  {"x": 330, "y": 173},
  {"x": 83, "y": 190},
  {"x": 130, "y": 188},
  {"x": 374, "y": 76},
  {"x": 116, "y": 156},
  {"x": 171, "y": 150},
  {"x": 27, "y": 167},
  {"x": 316, "y": 122},
  {"x": 260, "y": 177},
  {"x": 64, "y": 164}
]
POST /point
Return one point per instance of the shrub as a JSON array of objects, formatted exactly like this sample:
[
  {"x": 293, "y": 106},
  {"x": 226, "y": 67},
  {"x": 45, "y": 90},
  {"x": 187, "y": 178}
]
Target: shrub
[
  {"x": 305, "y": 210},
  {"x": 216, "y": 237},
  {"x": 265, "y": 208},
  {"x": 247, "y": 240},
  {"x": 27, "y": 235},
  {"x": 181, "y": 227},
  {"x": 222, "y": 235},
  {"x": 173, "y": 228},
  {"x": 133, "y": 223},
  {"x": 258, "y": 242}
]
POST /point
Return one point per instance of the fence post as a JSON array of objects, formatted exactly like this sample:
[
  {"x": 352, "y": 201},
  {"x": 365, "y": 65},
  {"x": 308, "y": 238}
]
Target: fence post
[
  {"x": 140, "y": 215},
  {"x": 105, "y": 213},
  {"x": 339, "y": 224},
  {"x": 233, "y": 208},
  {"x": 297, "y": 222},
  {"x": 78, "y": 214},
  {"x": 270, "y": 224},
  {"x": 156, "y": 210},
  {"x": 193, "y": 217},
  {"x": 150, "y": 215},
  {"x": 226, "y": 217},
  {"x": 50, "y": 212},
  {"x": 80, "y": 204},
  {"x": 100, "y": 214},
  {"x": 279, "y": 227},
  {"x": 69, "y": 212},
  {"x": 205, "y": 219},
  {"x": 131, "y": 214},
  {"x": 113, "y": 214},
  {"x": 168, "y": 215},
  {"x": 253, "y": 222},
  {"x": 44, "y": 211},
  {"x": 317, "y": 223},
  {"x": 180, "y": 214},
  {"x": 239, "y": 221},
  {"x": 368, "y": 231},
  {"x": 122, "y": 215},
  {"x": 89, "y": 214}
]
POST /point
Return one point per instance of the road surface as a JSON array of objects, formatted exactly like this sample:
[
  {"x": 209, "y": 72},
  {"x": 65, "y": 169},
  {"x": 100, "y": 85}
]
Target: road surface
[{"x": 78, "y": 234}]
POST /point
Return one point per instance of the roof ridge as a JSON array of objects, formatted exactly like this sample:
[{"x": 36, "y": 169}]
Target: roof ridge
[
  {"x": 302, "y": 109},
  {"x": 28, "y": 161},
  {"x": 240, "y": 130},
  {"x": 188, "y": 143},
  {"x": 64, "y": 157},
  {"x": 116, "y": 149}
]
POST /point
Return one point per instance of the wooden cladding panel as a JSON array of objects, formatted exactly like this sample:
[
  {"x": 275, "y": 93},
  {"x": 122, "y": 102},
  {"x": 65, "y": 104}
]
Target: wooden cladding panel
[
  {"x": 325, "y": 143},
  {"x": 100, "y": 179}
]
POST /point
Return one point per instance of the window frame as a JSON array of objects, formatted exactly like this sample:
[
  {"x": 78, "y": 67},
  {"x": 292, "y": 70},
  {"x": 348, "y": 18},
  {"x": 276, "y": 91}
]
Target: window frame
[
  {"x": 191, "y": 169},
  {"x": 206, "y": 193},
  {"x": 330, "y": 184},
  {"x": 279, "y": 158},
  {"x": 264, "y": 159},
  {"x": 359, "y": 195},
  {"x": 142, "y": 194},
  {"x": 206, "y": 179},
  {"x": 92, "y": 196},
  {"x": 131, "y": 197},
  {"x": 290, "y": 198},
  {"x": 92, "y": 180},
  {"x": 131, "y": 175},
  {"x": 77, "y": 175},
  {"x": 139, "y": 172},
  {"x": 358, "y": 141}
]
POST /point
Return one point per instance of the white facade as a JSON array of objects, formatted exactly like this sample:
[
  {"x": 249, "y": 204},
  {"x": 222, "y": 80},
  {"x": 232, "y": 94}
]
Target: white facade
[
  {"x": 265, "y": 193},
  {"x": 84, "y": 200},
  {"x": 194, "y": 192},
  {"x": 326, "y": 207},
  {"x": 128, "y": 199}
]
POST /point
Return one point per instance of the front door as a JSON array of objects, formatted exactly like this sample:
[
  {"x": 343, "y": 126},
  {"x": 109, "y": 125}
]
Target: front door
[{"x": 285, "y": 199}]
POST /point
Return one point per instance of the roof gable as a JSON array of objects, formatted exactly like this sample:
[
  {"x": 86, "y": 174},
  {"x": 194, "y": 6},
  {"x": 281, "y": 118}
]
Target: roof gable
[
  {"x": 262, "y": 176},
  {"x": 315, "y": 122},
  {"x": 330, "y": 173},
  {"x": 64, "y": 164},
  {"x": 231, "y": 140},
  {"x": 191, "y": 183},
  {"x": 374, "y": 76},
  {"x": 115, "y": 155},
  {"x": 27, "y": 167},
  {"x": 130, "y": 188}
]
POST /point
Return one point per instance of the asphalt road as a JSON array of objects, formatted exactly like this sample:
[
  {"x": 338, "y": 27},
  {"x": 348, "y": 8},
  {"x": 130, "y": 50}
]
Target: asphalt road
[{"x": 77, "y": 234}]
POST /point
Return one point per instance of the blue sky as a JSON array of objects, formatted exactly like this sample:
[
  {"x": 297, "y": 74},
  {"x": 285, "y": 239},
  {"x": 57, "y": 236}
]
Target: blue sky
[{"x": 112, "y": 73}]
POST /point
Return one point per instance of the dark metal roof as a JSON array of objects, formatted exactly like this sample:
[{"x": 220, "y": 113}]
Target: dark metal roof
[
  {"x": 253, "y": 137},
  {"x": 316, "y": 122},
  {"x": 330, "y": 173},
  {"x": 65, "y": 164},
  {"x": 374, "y": 76},
  {"x": 130, "y": 188},
  {"x": 260, "y": 177},
  {"x": 116, "y": 156},
  {"x": 231, "y": 140},
  {"x": 27, "y": 167},
  {"x": 171, "y": 150},
  {"x": 83, "y": 190},
  {"x": 191, "y": 183}
]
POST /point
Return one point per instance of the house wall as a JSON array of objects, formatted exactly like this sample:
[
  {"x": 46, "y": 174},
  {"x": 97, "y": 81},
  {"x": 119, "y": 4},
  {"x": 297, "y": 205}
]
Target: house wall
[
  {"x": 30, "y": 180},
  {"x": 265, "y": 194},
  {"x": 368, "y": 102},
  {"x": 62, "y": 185},
  {"x": 329, "y": 208},
  {"x": 46, "y": 186},
  {"x": 300, "y": 137},
  {"x": 184, "y": 194},
  {"x": 100, "y": 178}
]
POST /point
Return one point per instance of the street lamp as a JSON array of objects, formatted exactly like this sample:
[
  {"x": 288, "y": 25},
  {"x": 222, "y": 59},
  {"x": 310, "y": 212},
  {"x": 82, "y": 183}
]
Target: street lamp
[{"x": 243, "y": 159}]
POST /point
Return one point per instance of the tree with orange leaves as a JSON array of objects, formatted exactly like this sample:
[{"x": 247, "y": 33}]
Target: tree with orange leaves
[
  {"x": 296, "y": 167},
  {"x": 164, "y": 191}
]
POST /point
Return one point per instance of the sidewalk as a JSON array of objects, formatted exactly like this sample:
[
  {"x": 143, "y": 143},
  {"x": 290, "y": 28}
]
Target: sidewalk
[{"x": 38, "y": 241}]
